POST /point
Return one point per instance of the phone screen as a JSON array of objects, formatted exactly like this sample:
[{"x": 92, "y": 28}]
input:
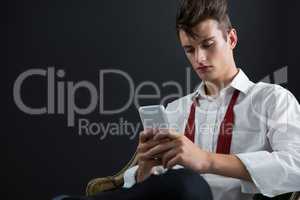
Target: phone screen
[{"x": 153, "y": 116}]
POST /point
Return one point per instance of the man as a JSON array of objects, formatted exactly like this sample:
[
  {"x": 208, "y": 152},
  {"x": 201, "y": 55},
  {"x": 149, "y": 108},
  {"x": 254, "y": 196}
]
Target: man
[
  {"x": 265, "y": 146},
  {"x": 238, "y": 137}
]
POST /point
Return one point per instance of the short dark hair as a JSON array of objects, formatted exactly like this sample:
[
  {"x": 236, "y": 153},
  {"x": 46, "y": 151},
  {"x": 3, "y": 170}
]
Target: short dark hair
[{"x": 192, "y": 12}]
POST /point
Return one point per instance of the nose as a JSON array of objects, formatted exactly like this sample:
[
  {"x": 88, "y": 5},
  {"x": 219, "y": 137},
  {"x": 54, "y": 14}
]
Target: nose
[{"x": 200, "y": 55}]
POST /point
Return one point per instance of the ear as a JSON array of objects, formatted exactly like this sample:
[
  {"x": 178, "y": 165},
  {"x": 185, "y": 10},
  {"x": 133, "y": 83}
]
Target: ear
[{"x": 232, "y": 38}]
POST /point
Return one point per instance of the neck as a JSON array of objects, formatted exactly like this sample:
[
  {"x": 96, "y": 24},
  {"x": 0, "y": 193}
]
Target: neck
[{"x": 213, "y": 88}]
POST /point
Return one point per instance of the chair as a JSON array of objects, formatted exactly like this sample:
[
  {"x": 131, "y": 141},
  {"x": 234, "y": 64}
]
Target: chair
[
  {"x": 287, "y": 196},
  {"x": 110, "y": 182},
  {"x": 116, "y": 181}
]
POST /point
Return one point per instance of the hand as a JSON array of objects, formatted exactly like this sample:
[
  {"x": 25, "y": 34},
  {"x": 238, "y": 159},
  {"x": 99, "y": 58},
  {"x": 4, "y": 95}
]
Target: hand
[
  {"x": 146, "y": 164},
  {"x": 176, "y": 149},
  {"x": 179, "y": 150}
]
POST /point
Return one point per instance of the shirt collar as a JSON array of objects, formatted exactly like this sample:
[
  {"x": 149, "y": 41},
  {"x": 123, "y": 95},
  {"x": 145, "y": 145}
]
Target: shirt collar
[{"x": 240, "y": 82}]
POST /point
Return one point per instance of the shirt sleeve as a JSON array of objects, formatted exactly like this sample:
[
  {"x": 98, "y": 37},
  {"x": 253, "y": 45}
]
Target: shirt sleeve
[
  {"x": 129, "y": 177},
  {"x": 277, "y": 171}
]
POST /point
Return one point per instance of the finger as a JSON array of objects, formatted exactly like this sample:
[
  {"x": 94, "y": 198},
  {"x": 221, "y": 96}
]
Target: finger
[
  {"x": 161, "y": 135},
  {"x": 160, "y": 148},
  {"x": 155, "y": 162},
  {"x": 168, "y": 156},
  {"x": 146, "y": 135},
  {"x": 174, "y": 161},
  {"x": 149, "y": 163},
  {"x": 165, "y": 133},
  {"x": 155, "y": 131},
  {"x": 143, "y": 158},
  {"x": 158, "y": 156},
  {"x": 143, "y": 147}
]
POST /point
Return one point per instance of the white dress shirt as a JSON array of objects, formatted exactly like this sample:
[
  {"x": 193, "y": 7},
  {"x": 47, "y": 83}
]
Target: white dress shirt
[{"x": 265, "y": 137}]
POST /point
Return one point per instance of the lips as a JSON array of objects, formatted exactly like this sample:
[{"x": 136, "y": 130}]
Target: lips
[{"x": 203, "y": 67}]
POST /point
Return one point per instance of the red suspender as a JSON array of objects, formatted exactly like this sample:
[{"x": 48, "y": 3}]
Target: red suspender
[
  {"x": 190, "y": 126},
  {"x": 225, "y": 134}
]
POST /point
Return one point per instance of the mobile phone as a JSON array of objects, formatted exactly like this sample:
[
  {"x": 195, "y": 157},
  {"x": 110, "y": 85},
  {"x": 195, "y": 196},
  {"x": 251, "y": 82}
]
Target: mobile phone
[{"x": 154, "y": 116}]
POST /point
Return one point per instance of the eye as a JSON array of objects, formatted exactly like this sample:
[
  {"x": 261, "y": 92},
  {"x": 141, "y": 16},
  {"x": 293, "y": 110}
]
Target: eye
[
  {"x": 189, "y": 50},
  {"x": 207, "y": 44}
]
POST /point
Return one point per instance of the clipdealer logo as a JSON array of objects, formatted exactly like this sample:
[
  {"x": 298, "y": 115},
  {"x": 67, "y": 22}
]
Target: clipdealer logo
[
  {"x": 63, "y": 103},
  {"x": 61, "y": 99}
]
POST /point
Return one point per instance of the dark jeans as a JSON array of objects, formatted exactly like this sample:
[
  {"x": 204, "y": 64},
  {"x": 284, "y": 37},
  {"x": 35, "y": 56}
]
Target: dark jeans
[{"x": 181, "y": 184}]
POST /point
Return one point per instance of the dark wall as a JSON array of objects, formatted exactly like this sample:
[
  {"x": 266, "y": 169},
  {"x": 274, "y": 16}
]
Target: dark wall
[{"x": 41, "y": 155}]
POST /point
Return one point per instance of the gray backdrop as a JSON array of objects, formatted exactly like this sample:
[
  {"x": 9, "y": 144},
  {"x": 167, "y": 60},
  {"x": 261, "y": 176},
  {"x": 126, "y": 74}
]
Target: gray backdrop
[{"x": 41, "y": 155}]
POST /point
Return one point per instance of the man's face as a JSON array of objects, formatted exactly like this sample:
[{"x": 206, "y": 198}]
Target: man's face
[{"x": 210, "y": 54}]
